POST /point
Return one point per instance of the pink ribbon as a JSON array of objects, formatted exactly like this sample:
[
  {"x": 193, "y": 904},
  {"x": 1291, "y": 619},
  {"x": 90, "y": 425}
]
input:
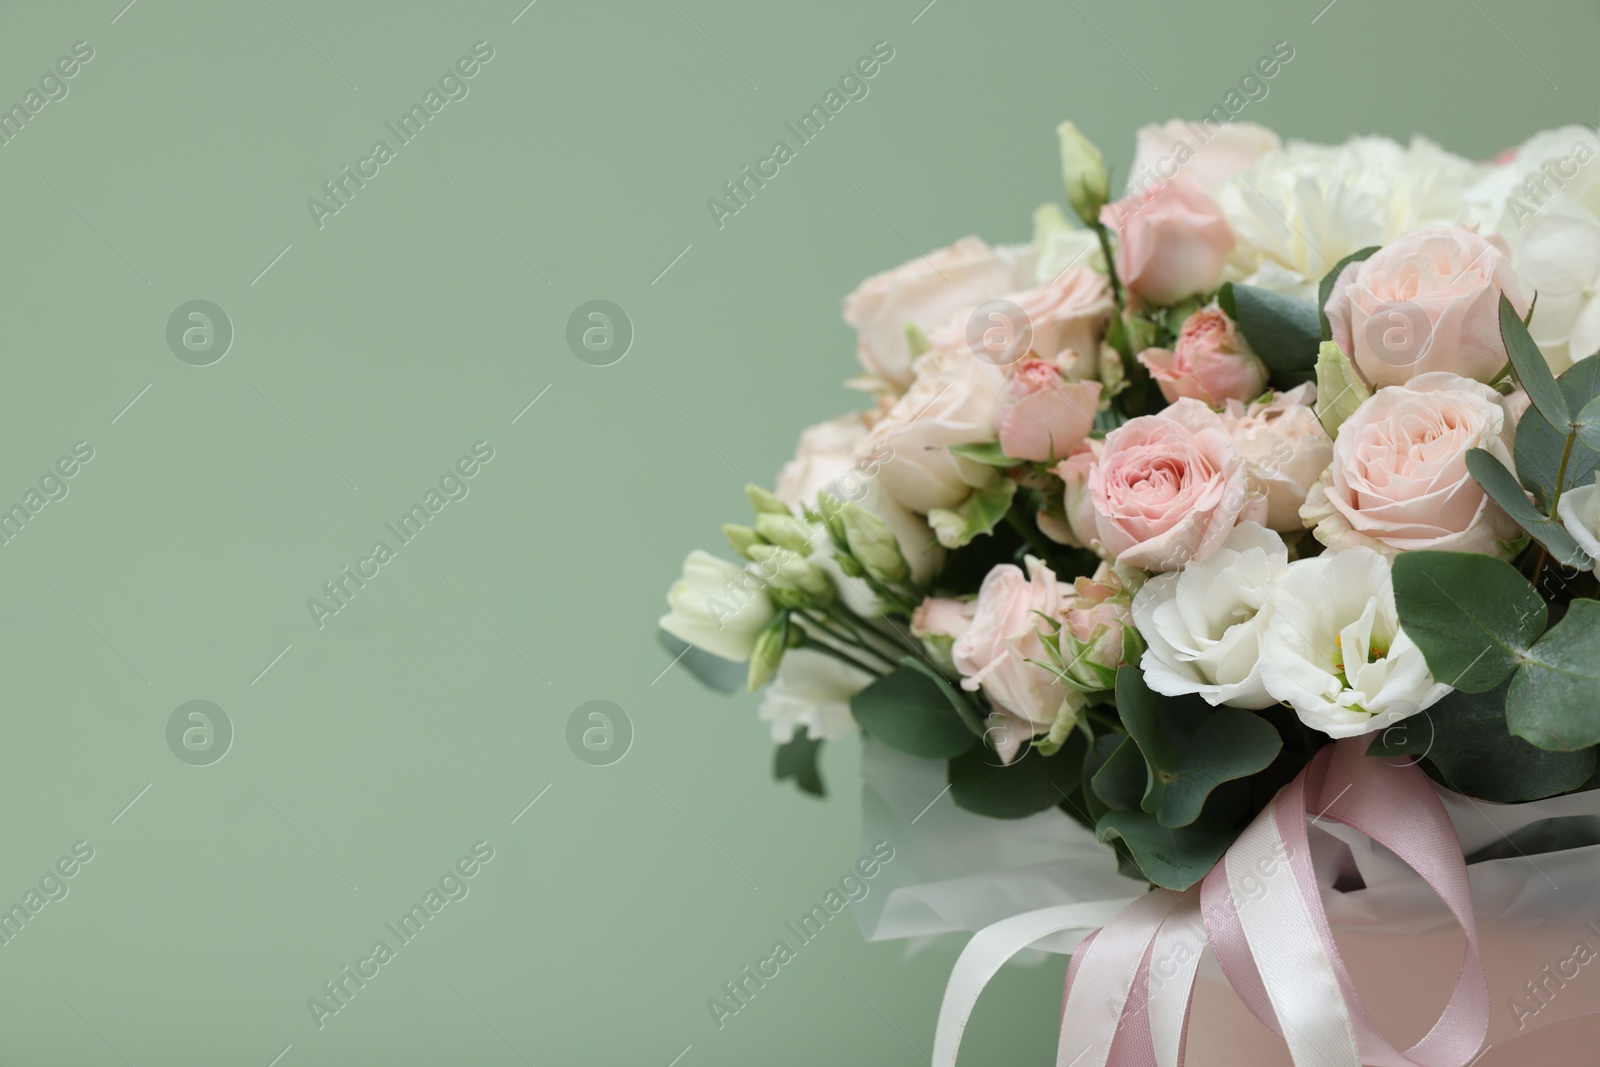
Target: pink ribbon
[{"x": 1130, "y": 985}]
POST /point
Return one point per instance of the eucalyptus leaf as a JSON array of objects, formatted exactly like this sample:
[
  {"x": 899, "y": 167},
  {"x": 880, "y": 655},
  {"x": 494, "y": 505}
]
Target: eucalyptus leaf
[
  {"x": 1539, "y": 445},
  {"x": 908, "y": 711},
  {"x": 1589, "y": 424},
  {"x": 1466, "y": 739},
  {"x": 1284, "y": 331},
  {"x": 1533, "y": 372},
  {"x": 979, "y": 783},
  {"x": 1173, "y": 858},
  {"x": 1325, "y": 287},
  {"x": 1506, "y": 491},
  {"x": 1120, "y": 781},
  {"x": 796, "y": 759},
  {"x": 1229, "y": 744},
  {"x": 1554, "y": 700},
  {"x": 1473, "y": 616}
]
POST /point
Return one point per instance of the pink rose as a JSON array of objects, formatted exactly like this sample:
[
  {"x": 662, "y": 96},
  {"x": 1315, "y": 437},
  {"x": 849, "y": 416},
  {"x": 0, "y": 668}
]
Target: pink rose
[
  {"x": 1208, "y": 154},
  {"x": 926, "y": 292},
  {"x": 1168, "y": 487},
  {"x": 1209, "y": 362},
  {"x": 1091, "y": 629},
  {"x": 1001, "y": 651},
  {"x": 939, "y": 616},
  {"x": 1078, "y": 503},
  {"x": 1041, "y": 417},
  {"x": 1173, "y": 241},
  {"x": 1428, "y": 301},
  {"x": 1285, "y": 451},
  {"x": 1399, "y": 479},
  {"x": 951, "y": 402}
]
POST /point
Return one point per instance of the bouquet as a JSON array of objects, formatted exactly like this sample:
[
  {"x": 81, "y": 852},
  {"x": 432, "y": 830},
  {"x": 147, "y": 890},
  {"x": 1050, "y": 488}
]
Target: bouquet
[{"x": 1268, "y": 491}]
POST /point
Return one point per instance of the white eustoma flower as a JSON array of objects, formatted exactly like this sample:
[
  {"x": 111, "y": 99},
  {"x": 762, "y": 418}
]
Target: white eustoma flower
[
  {"x": 1557, "y": 255},
  {"x": 1579, "y": 511},
  {"x": 1300, "y": 210},
  {"x": 717, "y": 606},
  {"x": 1334, "y": 650},
  {"x": 1202, "y": 625},
  {"x": 811, "y": 690}
]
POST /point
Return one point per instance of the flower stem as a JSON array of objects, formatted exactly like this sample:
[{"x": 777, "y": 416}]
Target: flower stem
[
  {"x": 809, "y": 640},
  {"x": 1561, "y": 472}
]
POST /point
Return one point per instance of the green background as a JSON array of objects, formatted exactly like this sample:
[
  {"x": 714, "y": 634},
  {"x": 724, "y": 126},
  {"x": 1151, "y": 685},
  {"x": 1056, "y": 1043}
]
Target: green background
[{"x": 423, "y": 318}]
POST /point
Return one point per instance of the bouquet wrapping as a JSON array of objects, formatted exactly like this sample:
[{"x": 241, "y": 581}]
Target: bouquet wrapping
[{"x": 1208, "y": 576}]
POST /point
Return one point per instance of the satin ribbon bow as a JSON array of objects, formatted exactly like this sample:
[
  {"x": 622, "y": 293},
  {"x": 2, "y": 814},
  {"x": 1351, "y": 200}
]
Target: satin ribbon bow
[{"x": 1131, "y": 983}]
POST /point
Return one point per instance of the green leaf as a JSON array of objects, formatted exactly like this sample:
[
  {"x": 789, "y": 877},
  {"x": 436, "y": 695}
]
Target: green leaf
[
  {"x": 988, "y": 453},
  {"x": 1340, "y": 389},
  {"x": 978, "y": 515},
  {"x": 1095, "y": 755},
  {"x": 797, "y": 759},
  {"x": 1120, "y": 781},
  {"x": 1539, "y": 445},
  {"x": 1506, "y": 491},
  {"x": 1230, "y": 744},
  {"x": 1554, "y": 700},
  {"x": 1533, "y": 372},
  {"x": 1466, "y": 738},
  {"x": 1033, "y": 783},
  {"x": 1325, "y": 288},
  {"x": 1589, "y": 424},
  {"x": 959, "y": 698},
  {"x": 910, "y": 712},
  {"x": 1189, "y": 747},
  {"x": 713, "y": 672},
  {"x": 1283, "y": 331},
  {"x": 1474, "y": 617},
  {"x": 1174, "y": 858}
]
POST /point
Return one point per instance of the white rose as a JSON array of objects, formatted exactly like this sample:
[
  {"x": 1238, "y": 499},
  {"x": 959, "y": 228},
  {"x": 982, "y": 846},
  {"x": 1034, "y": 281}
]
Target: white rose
[
  {"x": 1335, "y": 651},
  {"x": 1300, "y": 210},
  {"x": 951, "y": 402},
  {"x": 812, "y": 690},
  {"x": 1202, "y": 625},
  {"x": 832, "y": 458},
  {"x": 1579, "y": 511},
  {"x": 717, "y": 606},
  {"x": 927, "y": 292}
]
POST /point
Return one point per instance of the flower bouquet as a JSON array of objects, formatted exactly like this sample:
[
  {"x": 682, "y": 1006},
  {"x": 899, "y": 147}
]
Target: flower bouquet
[{"x": 1249, "y": 523}]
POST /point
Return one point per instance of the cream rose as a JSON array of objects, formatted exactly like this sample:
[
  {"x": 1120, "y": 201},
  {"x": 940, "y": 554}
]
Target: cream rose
[
  {"x": 1399, "y": 478},
  {"x": 927, "y": 292},
  {"x": 1428, "y": 301},
  {"x": 1203, "y": 625},
  {"x": 1209, "y": 156},
  {"x": 1335, "y": 651},
  {"x": 1168, "y": 487},
  {"x": 950, "y": 402},
  {"x": 1285, "y": 450}
]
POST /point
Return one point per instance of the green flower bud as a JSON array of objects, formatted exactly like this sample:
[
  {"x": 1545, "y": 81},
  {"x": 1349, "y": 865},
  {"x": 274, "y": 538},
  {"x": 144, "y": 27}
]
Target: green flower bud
[
  {"x": 771, "y": 644},
  {"x": 764, "y": 502},
  {"x": 1083, "y": 171},
  {"x": 786, "y": 571},
  {"x": 741, "y": 538},
  {"x": 785, "y": 530},
  {"x": 874, "y": 545}
]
